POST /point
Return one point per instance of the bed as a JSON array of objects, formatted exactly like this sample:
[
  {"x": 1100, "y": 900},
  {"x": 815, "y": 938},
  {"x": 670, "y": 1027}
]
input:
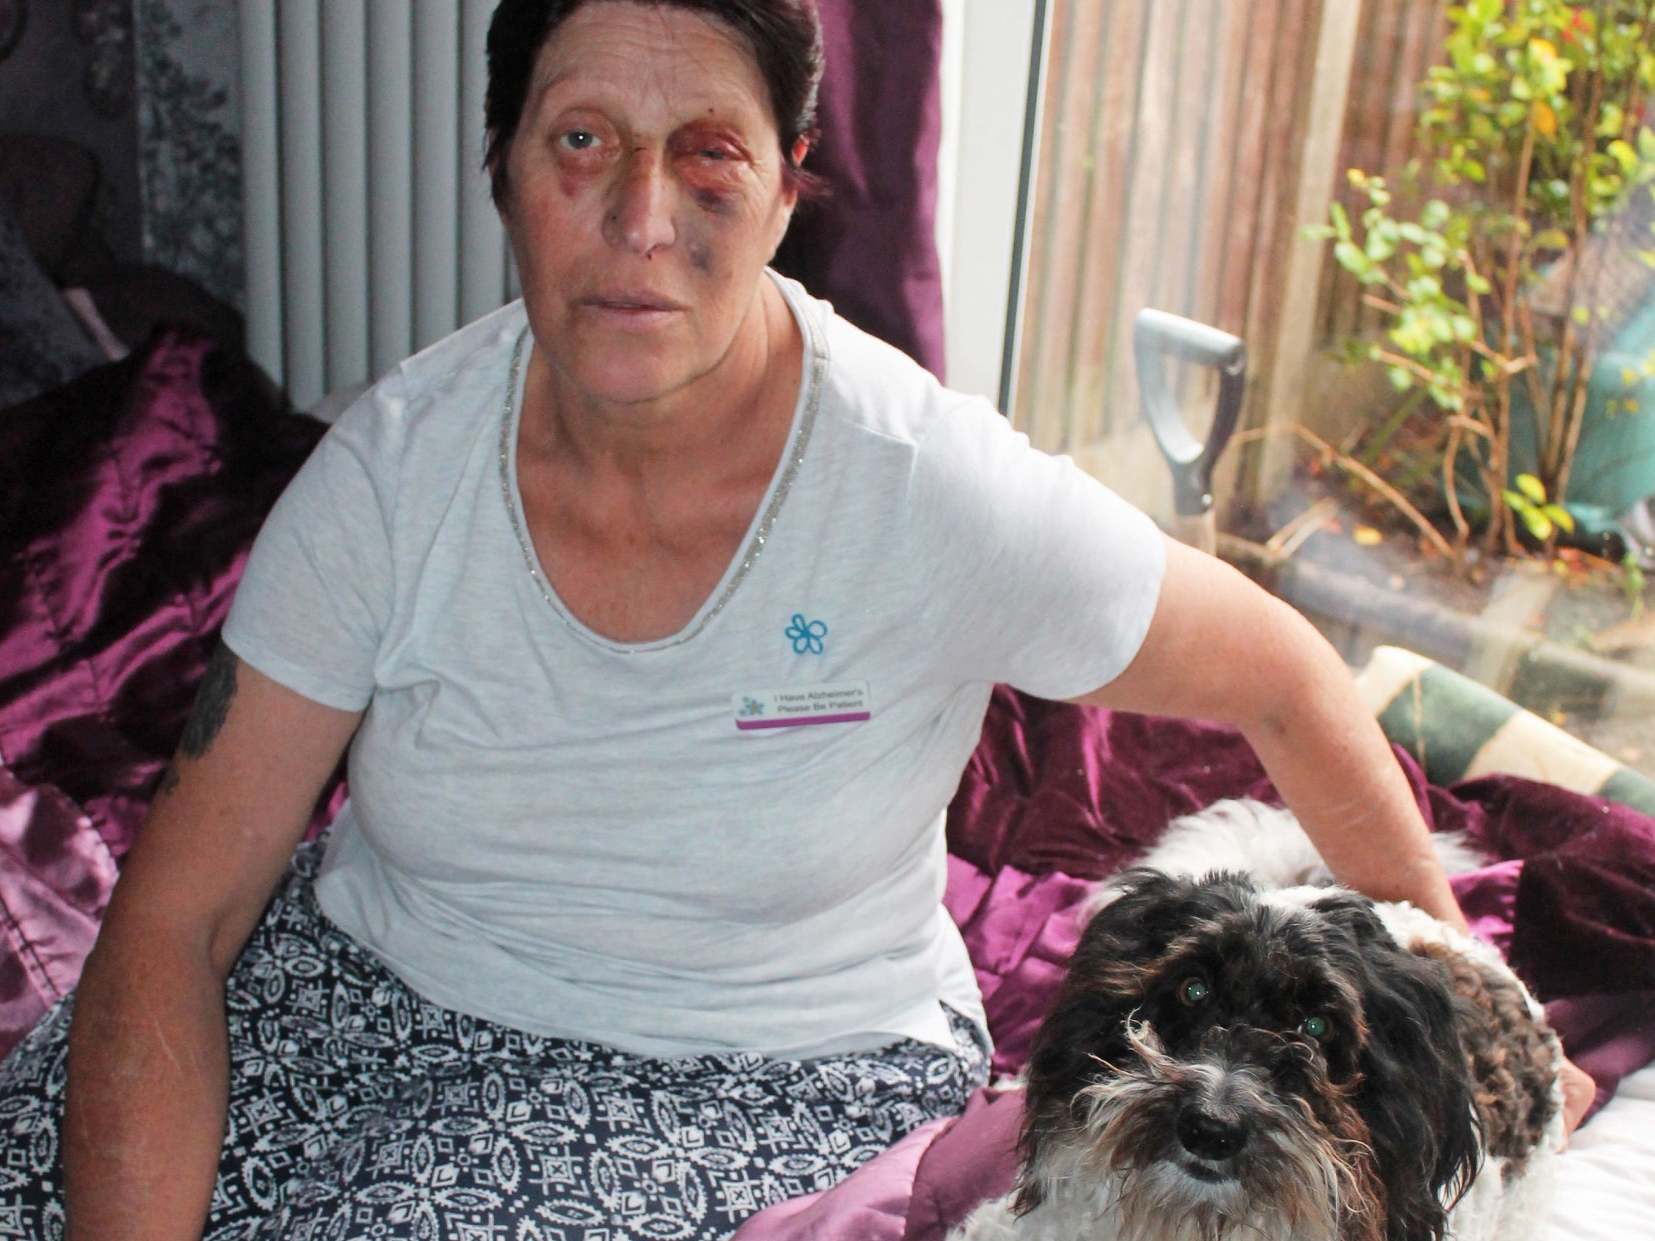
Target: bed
[{"x": 129, "y": 496}]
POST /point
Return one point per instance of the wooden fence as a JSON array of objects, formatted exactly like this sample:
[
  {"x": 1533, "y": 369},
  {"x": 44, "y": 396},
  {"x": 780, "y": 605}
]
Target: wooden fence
[{"x": 1185, "y": 145}]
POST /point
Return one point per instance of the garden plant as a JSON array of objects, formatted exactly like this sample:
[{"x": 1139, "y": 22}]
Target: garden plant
[{"x": 1491, "y": 262}]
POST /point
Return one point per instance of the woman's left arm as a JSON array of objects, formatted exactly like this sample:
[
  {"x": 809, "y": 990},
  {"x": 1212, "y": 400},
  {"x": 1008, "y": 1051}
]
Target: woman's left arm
[{"x": 1221, "y": 648}]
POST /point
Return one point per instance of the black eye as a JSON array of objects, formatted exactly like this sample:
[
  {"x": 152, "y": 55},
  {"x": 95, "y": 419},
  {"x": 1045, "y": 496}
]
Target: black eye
[
  {"x": 1315, "y": 1026},
  {"x": 1193, "y": 990}
]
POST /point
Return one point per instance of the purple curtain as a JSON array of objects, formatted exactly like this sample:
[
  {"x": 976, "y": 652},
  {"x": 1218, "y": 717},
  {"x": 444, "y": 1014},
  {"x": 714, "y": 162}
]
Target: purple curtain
[{"x": 869, "y": 245}]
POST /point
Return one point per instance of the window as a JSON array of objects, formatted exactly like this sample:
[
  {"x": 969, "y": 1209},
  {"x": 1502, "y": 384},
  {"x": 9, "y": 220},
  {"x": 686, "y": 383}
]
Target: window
[{"x": 1182, "y": 152}]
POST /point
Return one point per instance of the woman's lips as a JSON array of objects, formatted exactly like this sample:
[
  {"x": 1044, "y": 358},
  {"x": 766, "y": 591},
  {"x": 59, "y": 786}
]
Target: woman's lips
[{"x": 633, "y": 309}]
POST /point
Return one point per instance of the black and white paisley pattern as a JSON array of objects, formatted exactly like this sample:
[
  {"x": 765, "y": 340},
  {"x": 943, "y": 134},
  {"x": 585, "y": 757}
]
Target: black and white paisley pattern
[{"x": 360, "y": 1110}]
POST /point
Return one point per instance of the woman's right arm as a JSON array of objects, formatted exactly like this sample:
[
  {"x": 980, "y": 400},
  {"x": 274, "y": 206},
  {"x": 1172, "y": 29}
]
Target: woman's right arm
[{"x": 148, "y": 1049}]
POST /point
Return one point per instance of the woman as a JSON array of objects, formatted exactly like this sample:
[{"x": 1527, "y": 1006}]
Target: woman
[{"x": 659, "y": 613}]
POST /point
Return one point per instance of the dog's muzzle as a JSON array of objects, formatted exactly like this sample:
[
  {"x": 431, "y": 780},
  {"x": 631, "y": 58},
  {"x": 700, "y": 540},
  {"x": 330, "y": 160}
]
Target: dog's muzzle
[{"x": 1210, "y": 1133}]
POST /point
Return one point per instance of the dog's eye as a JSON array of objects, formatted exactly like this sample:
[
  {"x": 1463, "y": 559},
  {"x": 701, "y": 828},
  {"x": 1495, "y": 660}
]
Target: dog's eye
[
  {"x": 1315, "y": 1027},
  {"x": 1193, "y": 991}
]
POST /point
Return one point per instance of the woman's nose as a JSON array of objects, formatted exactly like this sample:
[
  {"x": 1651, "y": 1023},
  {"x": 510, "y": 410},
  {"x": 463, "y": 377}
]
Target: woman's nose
[{"x": 640, "y": 217}]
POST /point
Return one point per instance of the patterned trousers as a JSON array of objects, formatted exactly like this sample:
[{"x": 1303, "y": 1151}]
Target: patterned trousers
[{"x": 360, "y": 1110}]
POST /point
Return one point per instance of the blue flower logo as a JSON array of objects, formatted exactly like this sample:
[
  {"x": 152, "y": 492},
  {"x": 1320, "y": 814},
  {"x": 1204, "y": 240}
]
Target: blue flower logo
[
  {"x": 806, "y": 635},
  {"x": 751, "y": 706}
]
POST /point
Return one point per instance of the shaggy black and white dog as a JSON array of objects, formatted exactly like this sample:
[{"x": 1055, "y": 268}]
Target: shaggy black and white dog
[{"x": 1228, "y": 1059}]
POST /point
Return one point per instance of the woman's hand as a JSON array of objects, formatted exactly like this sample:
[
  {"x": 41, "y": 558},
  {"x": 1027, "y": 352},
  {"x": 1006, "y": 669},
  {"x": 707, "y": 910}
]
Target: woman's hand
[{"x": 1578, "y": 1092}]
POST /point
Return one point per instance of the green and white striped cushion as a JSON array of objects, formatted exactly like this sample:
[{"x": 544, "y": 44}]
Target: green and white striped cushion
[{"x": 1458, "y": 729}]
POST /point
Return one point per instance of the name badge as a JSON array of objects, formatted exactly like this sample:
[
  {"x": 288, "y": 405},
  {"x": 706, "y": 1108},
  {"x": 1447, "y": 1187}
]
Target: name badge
[{"x": 844, "y": 703}]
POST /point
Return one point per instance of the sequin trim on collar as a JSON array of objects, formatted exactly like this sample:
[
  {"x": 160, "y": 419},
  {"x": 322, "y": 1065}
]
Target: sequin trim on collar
[{"x": 816, "y": 344}]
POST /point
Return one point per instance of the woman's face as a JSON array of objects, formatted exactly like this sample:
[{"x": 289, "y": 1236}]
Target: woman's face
[{"x": 644, "y": 196}]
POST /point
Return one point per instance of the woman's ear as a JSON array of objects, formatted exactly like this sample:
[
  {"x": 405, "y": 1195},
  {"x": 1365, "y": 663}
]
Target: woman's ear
[{"x": 790, "y": 187}]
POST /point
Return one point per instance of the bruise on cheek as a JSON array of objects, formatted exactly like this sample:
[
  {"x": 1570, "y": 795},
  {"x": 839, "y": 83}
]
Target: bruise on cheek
[
  {"x": 713, "y": 202},
  {"x": 576, "y": 176},
  {"x": 700, "y": 254}
]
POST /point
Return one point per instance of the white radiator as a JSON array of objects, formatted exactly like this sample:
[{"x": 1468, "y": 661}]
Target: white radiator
[{"x": 369, "y": 228}]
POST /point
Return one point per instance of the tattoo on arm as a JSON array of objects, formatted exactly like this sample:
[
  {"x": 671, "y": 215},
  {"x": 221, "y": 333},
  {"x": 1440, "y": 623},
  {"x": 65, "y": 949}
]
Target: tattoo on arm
[{"x": 212, "y": 704}]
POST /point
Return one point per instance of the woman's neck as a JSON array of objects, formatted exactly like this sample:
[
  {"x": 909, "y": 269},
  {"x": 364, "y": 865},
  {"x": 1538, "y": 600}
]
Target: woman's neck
[{"x": 719, "y": 416}]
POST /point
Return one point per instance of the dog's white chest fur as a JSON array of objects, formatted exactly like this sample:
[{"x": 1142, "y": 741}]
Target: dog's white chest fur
[{"x": 1241, "y": 1052}]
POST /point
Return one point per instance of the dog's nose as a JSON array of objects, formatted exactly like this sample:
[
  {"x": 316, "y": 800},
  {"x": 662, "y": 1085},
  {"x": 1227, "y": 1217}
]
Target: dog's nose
[{"x": 1208, "y": 1136}]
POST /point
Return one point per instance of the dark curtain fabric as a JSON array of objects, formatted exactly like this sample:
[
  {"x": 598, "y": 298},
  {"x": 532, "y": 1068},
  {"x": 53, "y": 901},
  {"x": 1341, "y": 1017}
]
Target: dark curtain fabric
[{"x": 869, "y": 245}]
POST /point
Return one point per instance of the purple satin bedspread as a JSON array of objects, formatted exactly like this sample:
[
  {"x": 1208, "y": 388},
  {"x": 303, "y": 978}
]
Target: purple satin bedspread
[{"x": 128, "y": 501}]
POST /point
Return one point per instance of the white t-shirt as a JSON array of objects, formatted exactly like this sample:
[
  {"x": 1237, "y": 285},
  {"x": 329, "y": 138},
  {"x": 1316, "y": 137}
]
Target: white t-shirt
[{"x": 728, "y": 839}]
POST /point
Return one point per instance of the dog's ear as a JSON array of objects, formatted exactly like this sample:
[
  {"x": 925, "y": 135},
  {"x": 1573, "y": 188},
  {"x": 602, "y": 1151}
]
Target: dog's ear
[
  {"x": 1414, "y": 1093},
  {"x": 1355, "y": 914},
  {"x": 1151, "y": 909},
  {"x": 1087, "y": 1023}
]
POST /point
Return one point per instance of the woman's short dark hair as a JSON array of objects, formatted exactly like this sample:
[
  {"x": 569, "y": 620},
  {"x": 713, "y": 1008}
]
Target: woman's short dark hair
[{"x": 785, "y": 37}]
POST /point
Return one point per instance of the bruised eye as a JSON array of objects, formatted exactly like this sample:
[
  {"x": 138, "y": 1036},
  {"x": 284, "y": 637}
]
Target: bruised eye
[
  {"x": 1315, "y": 1027},
  {"x": 1193, "y": 990},
  {"x": 708, "y": 145}
]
